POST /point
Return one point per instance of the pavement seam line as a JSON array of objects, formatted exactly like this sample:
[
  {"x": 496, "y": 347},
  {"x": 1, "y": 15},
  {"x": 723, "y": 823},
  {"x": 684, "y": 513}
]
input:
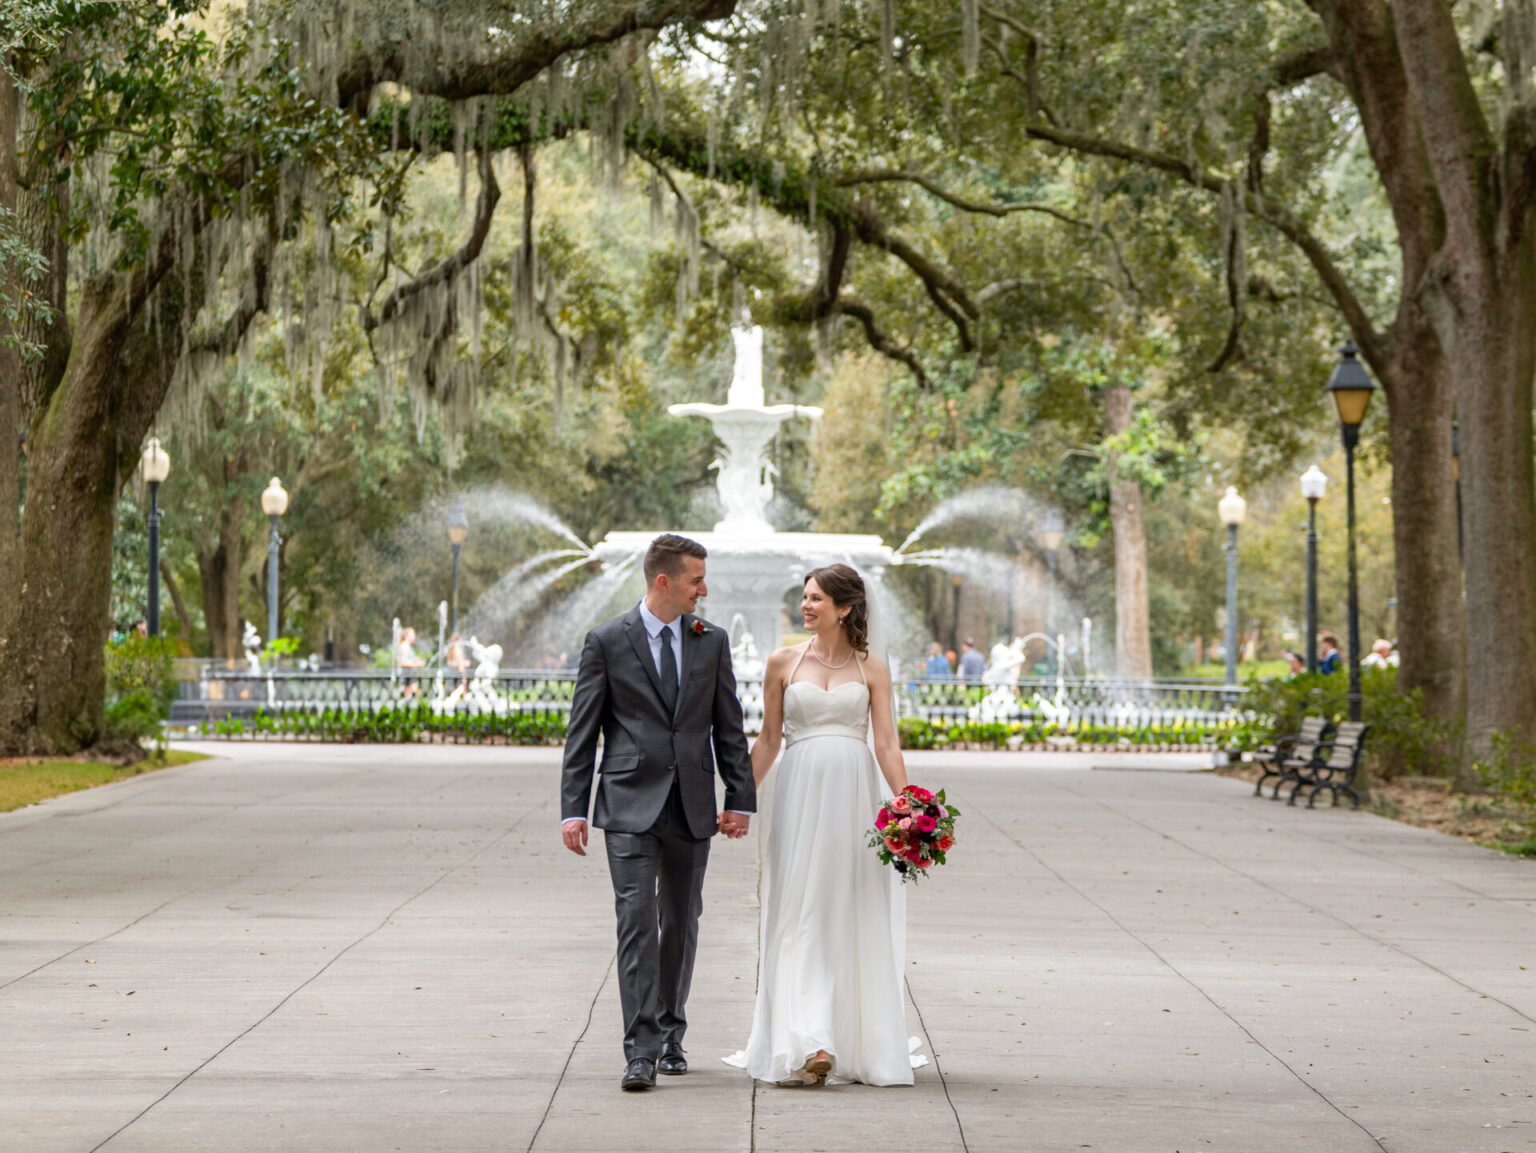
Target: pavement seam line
[
  {"x": 1334, "y": 917},
  {"x": 569, "y": 1057},
  {"x": 937, "y": 1067},
  {"x": 89, "y": 944},
  {"x": 1174, "y": 969},
  {"x": 315, "y": 976},
  {"x": 1347, "y": 847}
]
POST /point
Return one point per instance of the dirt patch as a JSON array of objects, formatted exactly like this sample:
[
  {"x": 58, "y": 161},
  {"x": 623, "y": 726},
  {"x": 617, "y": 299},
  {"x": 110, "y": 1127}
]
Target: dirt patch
[{"x": 1429, "y": 803}]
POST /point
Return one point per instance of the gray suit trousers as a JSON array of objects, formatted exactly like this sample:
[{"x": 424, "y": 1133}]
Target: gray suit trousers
[{"x": 658, "y": 886}]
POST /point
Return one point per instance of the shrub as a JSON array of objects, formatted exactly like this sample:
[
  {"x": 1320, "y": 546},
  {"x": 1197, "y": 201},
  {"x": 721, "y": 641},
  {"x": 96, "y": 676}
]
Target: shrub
[
  {"x": 1510, "y": 768},
  {"x": 916, "y": 733},
  {"x": 1402, "y": 737},
  {"x": 139, "y": 688}
]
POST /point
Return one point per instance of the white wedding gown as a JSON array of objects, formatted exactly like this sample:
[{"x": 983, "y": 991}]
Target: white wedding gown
[{"x": 834, "y": 918}]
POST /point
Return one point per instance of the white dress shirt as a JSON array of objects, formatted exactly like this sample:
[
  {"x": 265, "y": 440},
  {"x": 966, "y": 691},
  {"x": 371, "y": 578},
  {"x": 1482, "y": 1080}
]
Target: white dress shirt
[{"x": 653, "y": 626}]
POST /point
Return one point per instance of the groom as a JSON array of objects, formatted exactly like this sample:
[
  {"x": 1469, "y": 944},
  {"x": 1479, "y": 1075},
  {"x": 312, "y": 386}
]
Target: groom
[{"x": 657, "y": 684}]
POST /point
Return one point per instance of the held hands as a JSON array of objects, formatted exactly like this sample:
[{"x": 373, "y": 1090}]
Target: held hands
[
  {"x": 574, "y": 834},
  {"x": 735, "y": 825}
]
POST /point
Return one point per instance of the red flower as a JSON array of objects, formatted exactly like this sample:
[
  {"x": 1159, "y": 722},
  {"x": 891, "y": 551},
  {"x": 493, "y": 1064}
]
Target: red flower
[
  {"x": 921, "y": 796},
  {"x": 946, "y": 844},
  {"x": 698, "y": 628},
  {"x": 923, "y": 863}
]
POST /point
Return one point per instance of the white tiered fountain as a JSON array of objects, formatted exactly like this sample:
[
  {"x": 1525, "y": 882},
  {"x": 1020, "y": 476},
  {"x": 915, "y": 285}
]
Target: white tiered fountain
[{"x": 751, "y": 565}]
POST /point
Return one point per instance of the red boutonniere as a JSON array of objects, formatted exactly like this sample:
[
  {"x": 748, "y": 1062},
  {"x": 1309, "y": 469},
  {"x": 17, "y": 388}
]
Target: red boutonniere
[{"x": 699, "y": 628}]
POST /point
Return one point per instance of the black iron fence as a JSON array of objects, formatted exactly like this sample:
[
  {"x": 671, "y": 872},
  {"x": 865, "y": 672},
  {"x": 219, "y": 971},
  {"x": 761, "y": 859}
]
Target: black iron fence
[{"x": 530, "y": 706}]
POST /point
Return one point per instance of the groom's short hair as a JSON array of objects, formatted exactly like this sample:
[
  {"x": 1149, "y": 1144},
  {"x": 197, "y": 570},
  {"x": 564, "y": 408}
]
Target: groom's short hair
[{"x": 666, "y": 555}]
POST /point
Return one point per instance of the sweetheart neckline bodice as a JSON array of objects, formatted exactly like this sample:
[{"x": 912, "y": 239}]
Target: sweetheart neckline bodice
[{"x": 834, "y": 688}]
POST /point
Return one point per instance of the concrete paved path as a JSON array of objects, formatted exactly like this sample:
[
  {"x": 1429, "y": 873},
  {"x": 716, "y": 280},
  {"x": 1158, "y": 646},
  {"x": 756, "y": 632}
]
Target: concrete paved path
[{"x": 314, "y": 948}]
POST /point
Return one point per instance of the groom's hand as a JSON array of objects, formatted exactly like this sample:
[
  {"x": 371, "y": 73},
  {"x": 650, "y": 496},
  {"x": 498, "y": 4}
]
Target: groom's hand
[
  {"x": 735, "y": 825},
  {"x": 574, "y": 834}
]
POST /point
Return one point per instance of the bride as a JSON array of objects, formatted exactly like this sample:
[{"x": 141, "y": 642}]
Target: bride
[{"x": 829, "y": 994}]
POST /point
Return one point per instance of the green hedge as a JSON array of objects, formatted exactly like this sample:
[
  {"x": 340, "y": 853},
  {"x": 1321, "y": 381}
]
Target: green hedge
[
  {"x": 396, "y": 726},
  {"x": 916, "y": 733}
]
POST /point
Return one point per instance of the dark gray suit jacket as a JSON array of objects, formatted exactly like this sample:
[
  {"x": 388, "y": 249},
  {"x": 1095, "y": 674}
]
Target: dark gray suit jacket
[{"x": 618, "y": 694}]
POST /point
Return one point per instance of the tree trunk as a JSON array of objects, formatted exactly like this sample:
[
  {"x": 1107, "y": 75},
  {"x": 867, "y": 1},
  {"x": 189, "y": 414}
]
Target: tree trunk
[
  {"x": 53, "y": 661},
  {"x": 1500, "y": 509},
  {"x": 1430, "y": 613},
  {"x": 1480, "y": 292},
  {"x": 1133, "y": 616},
  {"x": 221, "y": 572},
  {"x": 173, "y": 586}
]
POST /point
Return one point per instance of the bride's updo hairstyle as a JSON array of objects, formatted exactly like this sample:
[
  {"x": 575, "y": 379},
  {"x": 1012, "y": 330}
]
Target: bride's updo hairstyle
[{"x": 845, "y": 587}]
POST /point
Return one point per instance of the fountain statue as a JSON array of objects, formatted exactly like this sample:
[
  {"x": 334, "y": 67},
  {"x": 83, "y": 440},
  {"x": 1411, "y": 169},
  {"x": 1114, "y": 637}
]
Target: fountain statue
[
  {"x": 745, "y": 424},
  {"x": 752, "y": 566},
  {"x": 250, "y": 641}
]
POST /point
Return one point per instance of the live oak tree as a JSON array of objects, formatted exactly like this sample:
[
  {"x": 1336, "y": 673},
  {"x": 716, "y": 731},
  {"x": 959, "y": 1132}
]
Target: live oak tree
[
  {"x": 1253, "y": 107},
  {"x": 158, "y": 165}
]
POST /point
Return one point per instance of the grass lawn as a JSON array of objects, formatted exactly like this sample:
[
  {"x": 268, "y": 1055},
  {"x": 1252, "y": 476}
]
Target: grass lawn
[{"x": 24, "y": 782}]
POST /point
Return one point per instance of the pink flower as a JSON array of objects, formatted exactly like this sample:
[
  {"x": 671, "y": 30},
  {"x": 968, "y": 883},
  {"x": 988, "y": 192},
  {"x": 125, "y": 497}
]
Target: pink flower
[
  {"x": 925, "y": 823},
  {"x": 883, "y": 819},
  {"x": 943, "y": 812},
  {"x": 895, "y": 845},
  {"x": 905, "y": 823},
  {"x": 901, "y": 805},
  {"x": 923, "y": 863}
]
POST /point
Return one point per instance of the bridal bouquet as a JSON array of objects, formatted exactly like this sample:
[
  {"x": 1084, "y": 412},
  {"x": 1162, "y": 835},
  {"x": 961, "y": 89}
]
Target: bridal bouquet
[{"x": 913, "y": 831}]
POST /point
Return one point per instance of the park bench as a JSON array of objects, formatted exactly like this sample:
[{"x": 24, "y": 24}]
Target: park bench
[
  {"x": 1290, "y": 755},
  {"x": 1335, "y": 770}
]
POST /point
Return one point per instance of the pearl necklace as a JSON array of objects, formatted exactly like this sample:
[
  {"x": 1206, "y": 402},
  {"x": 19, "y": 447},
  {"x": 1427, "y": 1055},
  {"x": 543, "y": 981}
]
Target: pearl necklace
[{"x": 823, "y": 659}]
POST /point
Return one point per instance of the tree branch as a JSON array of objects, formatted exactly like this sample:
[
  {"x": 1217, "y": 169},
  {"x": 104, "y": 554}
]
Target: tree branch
[
  {"x": 894, "y": 175},
  {"x": 1344, "y": 297},
  {"x": 538, "y": 46},
  {"x": 792, "y": 191},
  {"x": 879, "y": 341},
  {"x": 1456, "y": 135},
  {"x": 454, "y": 264}
]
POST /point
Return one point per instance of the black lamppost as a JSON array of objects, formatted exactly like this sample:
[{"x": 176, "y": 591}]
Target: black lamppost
[
  {"x": 1231, "y": 508},
  {"x": 274, "y": 502},
  {"x": 1351, "y": 387},
  {"x": 1314, "y": 484},
  {"x": 1050, "y": 536},
  {"x": 155, "y": 464},
  {"x": 458, "y": 533}
]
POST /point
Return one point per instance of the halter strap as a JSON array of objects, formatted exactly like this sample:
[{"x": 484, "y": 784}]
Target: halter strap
[{"x": 805, "y": 649}]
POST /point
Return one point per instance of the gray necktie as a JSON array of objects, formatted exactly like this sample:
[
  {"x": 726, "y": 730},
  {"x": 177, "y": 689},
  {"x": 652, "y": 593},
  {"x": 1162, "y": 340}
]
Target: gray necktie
[{"x": 668, "y": 670}]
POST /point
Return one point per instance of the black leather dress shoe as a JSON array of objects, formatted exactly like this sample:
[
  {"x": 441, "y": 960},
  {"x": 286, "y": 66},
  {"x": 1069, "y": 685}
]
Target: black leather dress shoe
[
  {"x": 639, "y": 1074},
  {"x": 672, "y": 1062}
]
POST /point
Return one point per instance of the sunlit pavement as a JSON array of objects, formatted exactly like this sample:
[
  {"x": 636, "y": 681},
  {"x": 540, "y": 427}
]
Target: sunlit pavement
[{"x": 308, "y": 947}]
